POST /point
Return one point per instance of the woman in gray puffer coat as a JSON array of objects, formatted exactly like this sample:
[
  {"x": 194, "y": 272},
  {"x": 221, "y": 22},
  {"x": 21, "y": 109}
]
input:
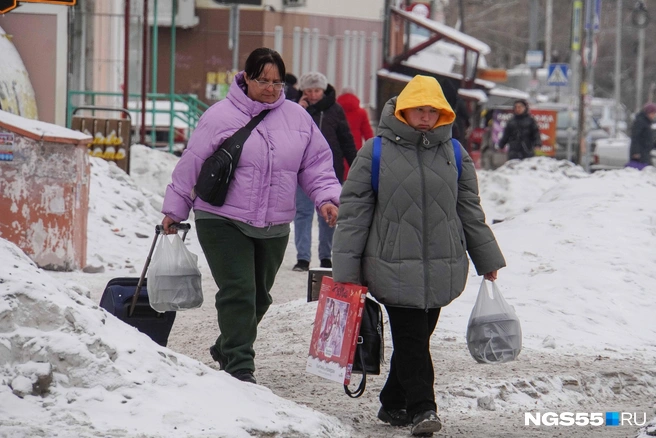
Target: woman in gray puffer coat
[{"x": 409, "y": 241}]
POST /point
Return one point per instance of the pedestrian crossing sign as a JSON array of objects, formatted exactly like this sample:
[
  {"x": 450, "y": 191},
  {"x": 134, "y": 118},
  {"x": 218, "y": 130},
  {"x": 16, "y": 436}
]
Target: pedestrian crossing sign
[{"x": 557, "y": 74}]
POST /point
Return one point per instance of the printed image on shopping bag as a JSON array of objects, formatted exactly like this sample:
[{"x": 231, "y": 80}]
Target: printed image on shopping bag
[
  {"x": 335, "y": 330},
  {"x": 333, "y": 325}
]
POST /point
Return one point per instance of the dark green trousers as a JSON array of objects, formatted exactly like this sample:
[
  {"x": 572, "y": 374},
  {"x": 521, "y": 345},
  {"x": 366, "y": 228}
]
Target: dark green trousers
[{"x": 244, "y": 269}]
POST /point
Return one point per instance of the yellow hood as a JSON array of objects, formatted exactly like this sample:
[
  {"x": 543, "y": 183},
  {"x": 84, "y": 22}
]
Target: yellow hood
[{"x": 424, "y": 91}]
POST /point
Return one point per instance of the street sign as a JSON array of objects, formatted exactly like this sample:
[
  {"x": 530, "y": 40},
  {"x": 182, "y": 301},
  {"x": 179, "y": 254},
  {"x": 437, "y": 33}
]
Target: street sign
[
  {"x": 534, "y": 58},
  {"x": 588, "y": 58},
  {"x": 596, "y": 17},
  {"x": 557, "y": 74}
]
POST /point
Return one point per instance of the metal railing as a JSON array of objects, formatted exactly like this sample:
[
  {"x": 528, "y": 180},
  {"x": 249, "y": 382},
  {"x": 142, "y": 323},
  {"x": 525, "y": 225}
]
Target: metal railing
[{"x": 188, "y": 113}]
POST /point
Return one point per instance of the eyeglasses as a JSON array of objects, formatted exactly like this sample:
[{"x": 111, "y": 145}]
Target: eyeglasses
[{"x": 264, "y": 84}]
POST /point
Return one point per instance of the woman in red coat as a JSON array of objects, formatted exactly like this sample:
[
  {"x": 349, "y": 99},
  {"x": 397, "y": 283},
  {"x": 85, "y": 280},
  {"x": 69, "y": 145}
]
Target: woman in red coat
[{"x": 357, "y": 118}]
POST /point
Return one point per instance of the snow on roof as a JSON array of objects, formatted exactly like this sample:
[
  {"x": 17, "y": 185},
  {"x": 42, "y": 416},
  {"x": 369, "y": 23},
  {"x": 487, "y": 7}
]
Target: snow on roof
[
  {"x": 161, "y": 118},
  {"x": 478, "y": 95},
  {"x": 393, "y": 75},
  {"x": 441, "y": 56},
  {"x": 509, "y": 92},
  {"x": 449, "y": 33},
  {"x": 38, "y": 130}
]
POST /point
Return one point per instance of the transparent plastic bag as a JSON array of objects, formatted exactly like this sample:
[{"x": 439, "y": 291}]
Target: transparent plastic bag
[
  {"x": 174, "y": 280},
  {"x": 494, "y": 334}
]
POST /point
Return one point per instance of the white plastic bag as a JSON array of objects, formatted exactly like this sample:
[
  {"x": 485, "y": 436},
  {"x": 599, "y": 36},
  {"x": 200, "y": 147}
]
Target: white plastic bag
[
  {"x": 494, "y": 334},
  {"x": 174, "y": 281}
]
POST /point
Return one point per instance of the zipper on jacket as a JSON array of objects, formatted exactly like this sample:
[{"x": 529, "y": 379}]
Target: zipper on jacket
[
  {"x": 320, "y": 120},
  {"x": 424, "y": 221}
]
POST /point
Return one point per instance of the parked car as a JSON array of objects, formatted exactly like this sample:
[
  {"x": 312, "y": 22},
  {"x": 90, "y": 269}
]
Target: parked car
[{"x": 567, "y": 121}]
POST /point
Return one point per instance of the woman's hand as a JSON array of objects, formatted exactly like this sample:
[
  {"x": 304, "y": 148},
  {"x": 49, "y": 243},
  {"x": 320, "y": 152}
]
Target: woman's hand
[
  {"x": 166, "y": 223},
  {"x": 491, "y": 276},
  {"x": 303, "y": 102},
  {"x": 329, "y": 213}
]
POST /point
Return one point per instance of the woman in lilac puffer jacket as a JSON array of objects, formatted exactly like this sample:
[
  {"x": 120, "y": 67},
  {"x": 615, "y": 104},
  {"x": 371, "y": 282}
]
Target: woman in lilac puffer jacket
[{"x": 244, "y": 240}]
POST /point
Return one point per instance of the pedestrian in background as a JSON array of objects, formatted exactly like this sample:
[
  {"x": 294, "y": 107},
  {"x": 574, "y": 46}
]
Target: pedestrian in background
[
  {"x": 357, "y": 118},
  {"x": 521, "y": 133},
  {"x": 642, "y": 137},
  {"x": 319, "y": 101},
  {"x": 462, "y": 123},
  {"x": 408, "y": 241},
  {"x": 244, "y": 240},
  {"x": 291, "y": 92}
]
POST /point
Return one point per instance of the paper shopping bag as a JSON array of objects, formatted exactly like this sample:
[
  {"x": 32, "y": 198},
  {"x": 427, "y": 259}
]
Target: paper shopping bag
[{"x": 336, "y": 330}]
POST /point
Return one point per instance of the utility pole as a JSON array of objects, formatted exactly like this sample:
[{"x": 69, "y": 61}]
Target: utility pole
[
  {"x": 618, "y": 63},
  {"x": 576, "y": 68},
  {"x": 233, "y": 38},
  {"x": 461, "y": 4},
  {"x": 547, "y": 33},
  {"x": 533, "y": 25},
  {"x": 640, "y": 19},
  {"x": 585, "y": 116}
]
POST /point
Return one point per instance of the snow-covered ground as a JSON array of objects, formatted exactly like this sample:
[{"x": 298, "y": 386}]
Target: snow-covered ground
[{"x": 581, "y": 274}]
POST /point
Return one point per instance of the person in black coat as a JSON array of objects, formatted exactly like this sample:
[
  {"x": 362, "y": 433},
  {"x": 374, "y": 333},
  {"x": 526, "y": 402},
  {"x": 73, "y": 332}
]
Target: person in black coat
[
  {"x": 521, "y": 133},
  {"x": 291, "y": 92},
  {"x": 320, "y": 101},
  {"x": 642, "y": 137}
]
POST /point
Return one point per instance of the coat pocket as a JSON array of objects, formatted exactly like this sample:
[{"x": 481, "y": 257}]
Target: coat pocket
[
  {"x": 457, "y": 238},
  {"x": 284, "y": 191},
  {"x": 389, "y": 242}
]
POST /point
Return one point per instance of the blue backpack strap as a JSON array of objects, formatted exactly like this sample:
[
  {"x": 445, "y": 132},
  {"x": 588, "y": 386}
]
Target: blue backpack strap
[
  {"x": 375, "y": 163},
  {"x": 458, "y": 153}
]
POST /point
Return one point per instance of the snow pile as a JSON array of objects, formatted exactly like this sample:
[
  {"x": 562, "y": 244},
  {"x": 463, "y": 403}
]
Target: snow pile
[
  {"x": 580, "y": 264},
  {"x": 120, "y": 214},
  {"x": 67, "y": 365},
  {"x": 151, "y": 169},
  {"x": 502, "y": 197},
  {"x": 649, "y": 430}
]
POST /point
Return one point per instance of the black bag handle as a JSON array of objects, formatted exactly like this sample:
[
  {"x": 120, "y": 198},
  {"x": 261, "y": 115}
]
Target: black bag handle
[{"x": 363, "y": 383}]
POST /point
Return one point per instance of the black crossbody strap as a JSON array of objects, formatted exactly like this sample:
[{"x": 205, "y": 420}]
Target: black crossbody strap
[
  {"x": 257, "y": 119},
  {"x": 243, "y": 133}
]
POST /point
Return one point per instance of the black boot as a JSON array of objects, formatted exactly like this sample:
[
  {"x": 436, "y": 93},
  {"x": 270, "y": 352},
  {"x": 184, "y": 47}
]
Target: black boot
[
  {"x": 301, "y": 266},
  {"x": 326, "y": 263},
  {"x": 425, "y": 423},
  {"x": 394, "y": 417},
  {"x": 218, "y": 357},
  {"x": 245, "y": 376}
]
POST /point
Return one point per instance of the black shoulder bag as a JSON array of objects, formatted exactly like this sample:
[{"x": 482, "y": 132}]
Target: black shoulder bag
[
  {"x": 219, "y": 168},
  {"x": 370, "y": 349}
]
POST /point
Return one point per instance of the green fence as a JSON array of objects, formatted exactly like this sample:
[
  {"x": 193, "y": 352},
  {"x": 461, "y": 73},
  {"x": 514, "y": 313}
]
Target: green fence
[{"x": 162, "y": 111}]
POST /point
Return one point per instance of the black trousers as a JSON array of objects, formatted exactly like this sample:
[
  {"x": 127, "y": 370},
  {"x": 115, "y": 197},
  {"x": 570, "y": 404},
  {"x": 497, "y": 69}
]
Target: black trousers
[{"x": 411, "y": 377}]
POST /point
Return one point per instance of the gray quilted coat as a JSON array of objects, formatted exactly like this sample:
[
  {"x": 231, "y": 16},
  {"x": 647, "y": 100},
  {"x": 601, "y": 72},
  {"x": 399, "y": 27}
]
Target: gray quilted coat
[{"x": 409, "y": 243}]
